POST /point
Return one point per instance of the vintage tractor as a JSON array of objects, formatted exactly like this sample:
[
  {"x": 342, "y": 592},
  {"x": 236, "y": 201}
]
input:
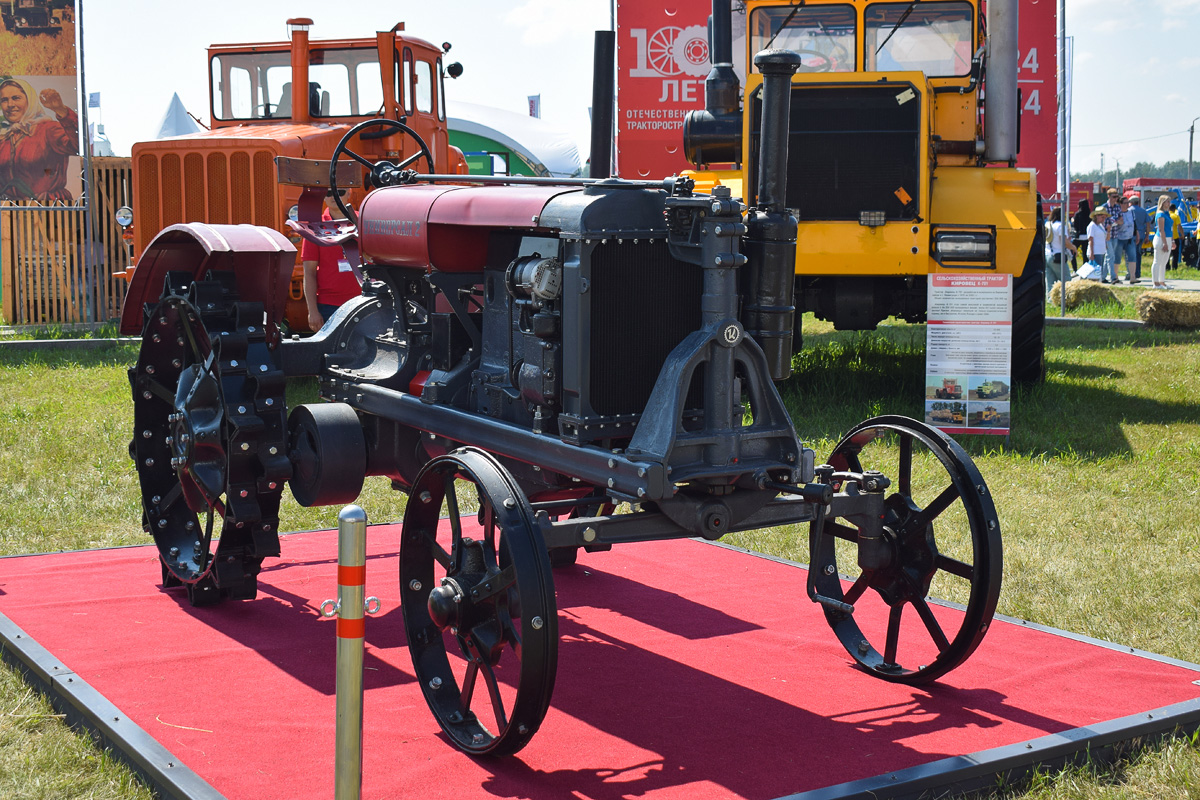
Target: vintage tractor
[{"x": 543, "y": 366}]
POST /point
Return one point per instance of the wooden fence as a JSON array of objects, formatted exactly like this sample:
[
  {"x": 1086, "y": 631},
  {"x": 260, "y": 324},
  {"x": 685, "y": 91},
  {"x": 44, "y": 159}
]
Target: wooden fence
[{"x": 51, "y": 272}]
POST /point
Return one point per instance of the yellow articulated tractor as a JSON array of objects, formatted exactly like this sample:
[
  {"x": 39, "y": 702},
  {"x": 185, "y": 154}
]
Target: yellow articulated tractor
[{"x": 897, "y": 167}]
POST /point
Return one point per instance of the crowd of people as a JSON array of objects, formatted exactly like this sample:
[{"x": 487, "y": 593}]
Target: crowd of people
[{"x": 1111, "y": 234}]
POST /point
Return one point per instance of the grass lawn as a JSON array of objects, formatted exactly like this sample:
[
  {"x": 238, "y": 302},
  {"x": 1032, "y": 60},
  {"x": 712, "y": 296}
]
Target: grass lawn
[{"x": 1096, "y": 489}]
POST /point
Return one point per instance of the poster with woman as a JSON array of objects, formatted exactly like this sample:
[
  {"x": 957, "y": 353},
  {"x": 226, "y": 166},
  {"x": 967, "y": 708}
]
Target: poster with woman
[{"x": 40, "y": 161}]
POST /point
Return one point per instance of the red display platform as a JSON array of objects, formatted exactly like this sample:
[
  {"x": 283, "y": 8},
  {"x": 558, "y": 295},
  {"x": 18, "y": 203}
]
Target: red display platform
[{"x": 685, "y": 670}]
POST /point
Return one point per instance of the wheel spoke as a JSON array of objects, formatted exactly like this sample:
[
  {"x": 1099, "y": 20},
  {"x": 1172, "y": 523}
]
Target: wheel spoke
[
  {"x": 160, "y": 391},
  {"x": 893, "y": 633},
  {"x": 489, "y": 677},
  {"x": 904, "y": 479},
  {"x": 452, "y": 510},
  {"x": 168, "y": 500},
  {"x": 856, "y": 591},
  {"x": 954, "y": 567},
  {"x": 468, "y": 684},
  {"x": 489, "y": 528},
  {"x": 931, "y": 623},
  {"x": 934, "y": 509},
  {"x": 510, "y": 632},
  {"x": 852, "y": 462}
]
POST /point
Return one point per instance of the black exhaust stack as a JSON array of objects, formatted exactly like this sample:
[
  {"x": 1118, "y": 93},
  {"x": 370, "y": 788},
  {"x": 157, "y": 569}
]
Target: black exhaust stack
[
  {"x": 770, "y": 245},
  {"x": 602, "y": 104},
  {"x": 714, "y": 135}
]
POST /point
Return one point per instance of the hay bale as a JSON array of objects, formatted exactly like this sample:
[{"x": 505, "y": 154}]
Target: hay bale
[
  {"x": 1080, "y": 292},
  {"x": 1161, "y": 309}
]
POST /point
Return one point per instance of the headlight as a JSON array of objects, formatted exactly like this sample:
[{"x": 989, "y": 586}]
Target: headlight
[
  {"x": 958, "y": 246},
  {"x": 294, "y": 213},
  {"x": 124, "y": 216}
]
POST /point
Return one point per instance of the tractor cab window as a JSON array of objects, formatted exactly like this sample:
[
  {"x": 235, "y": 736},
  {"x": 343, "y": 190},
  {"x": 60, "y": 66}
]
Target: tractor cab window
[
  {"x": 931, "y": 37},
  {"x": 424, "y": 86},
  {"x": 252, "y": 85},
  {"x": 348, "y": 81},
  {"x": 824, "y": 36},
  {"x": 258, "y": 85}
]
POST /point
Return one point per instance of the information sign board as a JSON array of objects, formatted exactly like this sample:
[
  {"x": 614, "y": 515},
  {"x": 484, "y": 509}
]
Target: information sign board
[{"x": 968, "y": 353}]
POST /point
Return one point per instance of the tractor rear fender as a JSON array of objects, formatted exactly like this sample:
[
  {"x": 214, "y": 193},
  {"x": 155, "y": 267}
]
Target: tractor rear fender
[{"x": 261, "y": 258}]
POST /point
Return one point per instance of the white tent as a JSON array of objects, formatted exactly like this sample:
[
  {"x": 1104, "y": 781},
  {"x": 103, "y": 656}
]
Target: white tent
[
  {"x": 548, "y": 150},
  {"x": 177, "y": 121}
]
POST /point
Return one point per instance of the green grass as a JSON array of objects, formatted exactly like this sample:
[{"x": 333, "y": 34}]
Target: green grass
[{"x": 1096, "y": 490}]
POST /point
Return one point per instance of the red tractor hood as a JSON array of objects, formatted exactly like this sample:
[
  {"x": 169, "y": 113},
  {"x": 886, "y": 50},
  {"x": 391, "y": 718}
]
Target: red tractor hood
[{"x": 446, "y": 228}]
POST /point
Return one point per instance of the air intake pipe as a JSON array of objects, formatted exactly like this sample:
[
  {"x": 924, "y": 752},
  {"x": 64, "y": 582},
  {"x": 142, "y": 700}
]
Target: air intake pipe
[
  {"x": 769, "y": 277},
  {"x": 714, "y": 135},
  {"x": 1002, "y": 112},
  {"x": 603, "y": 83}
]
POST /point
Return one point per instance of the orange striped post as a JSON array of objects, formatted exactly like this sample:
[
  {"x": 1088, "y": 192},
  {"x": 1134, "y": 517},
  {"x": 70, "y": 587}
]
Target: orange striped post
[{"x": 350, "y": 608}]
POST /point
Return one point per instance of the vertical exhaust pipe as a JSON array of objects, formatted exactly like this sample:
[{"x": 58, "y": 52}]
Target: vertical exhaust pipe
[
  {"x": 714, "y": 135},
  {"x": 1002, "y": 111},
  {"x": 770, "y": 272},
  {"x": 603, "y": 89}
]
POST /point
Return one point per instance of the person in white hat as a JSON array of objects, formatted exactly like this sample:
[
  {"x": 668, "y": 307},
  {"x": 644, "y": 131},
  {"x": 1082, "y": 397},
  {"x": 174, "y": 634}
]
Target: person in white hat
[{"x": 1098, "y": 242}]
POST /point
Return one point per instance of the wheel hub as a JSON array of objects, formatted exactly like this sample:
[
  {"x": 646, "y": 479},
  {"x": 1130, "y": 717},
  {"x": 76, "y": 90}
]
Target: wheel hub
[{"x": 445, "y": 604}]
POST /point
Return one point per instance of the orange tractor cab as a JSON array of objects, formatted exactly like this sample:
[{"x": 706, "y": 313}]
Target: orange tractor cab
[{"x": 292, "y": 100}]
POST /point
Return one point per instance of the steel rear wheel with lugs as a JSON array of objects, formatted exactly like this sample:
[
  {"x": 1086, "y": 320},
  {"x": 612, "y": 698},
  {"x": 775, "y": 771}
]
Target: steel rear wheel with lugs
[
  {"x": 209, "y": 437},
  {"x": 478, "y": 603},
  {"x": 943, "y": 540}
]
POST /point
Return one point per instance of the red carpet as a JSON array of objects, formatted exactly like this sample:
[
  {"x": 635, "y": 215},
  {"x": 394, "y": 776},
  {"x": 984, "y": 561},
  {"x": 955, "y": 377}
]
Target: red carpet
[{"x": 685, "y": 671}]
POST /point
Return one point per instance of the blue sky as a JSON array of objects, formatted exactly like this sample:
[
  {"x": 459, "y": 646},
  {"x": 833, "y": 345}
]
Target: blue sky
[{"x": 1136, "y": 90}]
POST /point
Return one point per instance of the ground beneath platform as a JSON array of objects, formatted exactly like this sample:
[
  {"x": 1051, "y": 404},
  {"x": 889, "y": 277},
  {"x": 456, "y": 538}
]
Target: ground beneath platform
[{"x": 685, "y": 670}]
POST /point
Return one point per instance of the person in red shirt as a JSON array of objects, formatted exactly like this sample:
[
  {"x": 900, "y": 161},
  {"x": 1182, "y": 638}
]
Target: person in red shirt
[
  {"x": 328, "y": 279},
  {"x": 35, "y": 145}
]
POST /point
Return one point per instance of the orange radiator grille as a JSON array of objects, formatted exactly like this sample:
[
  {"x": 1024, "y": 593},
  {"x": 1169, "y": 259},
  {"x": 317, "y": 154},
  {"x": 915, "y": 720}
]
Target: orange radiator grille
[{"x": 218, "y": 187}]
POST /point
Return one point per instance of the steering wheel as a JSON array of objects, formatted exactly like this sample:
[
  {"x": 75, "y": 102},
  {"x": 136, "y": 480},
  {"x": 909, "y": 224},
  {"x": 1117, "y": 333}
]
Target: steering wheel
[
  {"x": 823, "y": 64},
  {"x": 382, "y": 173}
]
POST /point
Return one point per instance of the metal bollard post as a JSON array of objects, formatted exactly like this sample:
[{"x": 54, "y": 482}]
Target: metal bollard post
[{"x": 349, "y": 608}]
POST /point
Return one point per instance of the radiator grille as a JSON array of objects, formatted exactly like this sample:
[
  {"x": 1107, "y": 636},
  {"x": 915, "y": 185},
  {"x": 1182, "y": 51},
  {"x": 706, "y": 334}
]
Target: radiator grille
[
  {"x": 643, "y": 304},
  {"x": 240, "y": 186},
  {"x": 264, "y": 189},
  {"x": 218, "y": 189},
  {"x": 852, "y": 149},
  {"x": 193, "y": 185},
  {"x": 172, "y": 196},
  {"x": 148, "y": 220},
  {"x": 215, "y": 187}
]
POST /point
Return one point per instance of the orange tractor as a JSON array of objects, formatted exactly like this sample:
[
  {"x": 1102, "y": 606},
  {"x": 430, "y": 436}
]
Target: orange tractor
[
  {"x": 951, "y": 390},
  {"x": 285, "y": 105}
]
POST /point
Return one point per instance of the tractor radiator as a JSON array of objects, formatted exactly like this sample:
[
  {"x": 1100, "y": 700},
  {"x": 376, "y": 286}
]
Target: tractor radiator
[
  {"x": 852, "y": 149},
  {"x": 644, "y": 303},
  {"x": 218, "y": 187}
]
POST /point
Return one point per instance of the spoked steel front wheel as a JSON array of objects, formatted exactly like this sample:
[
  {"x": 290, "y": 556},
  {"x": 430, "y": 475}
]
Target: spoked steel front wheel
[
  {"x": 478, "y": 604},
  {"x": 940, "y": 537}
]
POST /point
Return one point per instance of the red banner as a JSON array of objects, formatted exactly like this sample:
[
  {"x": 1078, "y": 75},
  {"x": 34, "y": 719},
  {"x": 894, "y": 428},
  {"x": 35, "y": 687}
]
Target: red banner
[{"x": 662, "y": 60}]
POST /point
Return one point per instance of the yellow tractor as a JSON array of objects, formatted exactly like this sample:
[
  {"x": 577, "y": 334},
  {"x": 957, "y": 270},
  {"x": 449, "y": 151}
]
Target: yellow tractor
[{"x": 894, "y": 171}]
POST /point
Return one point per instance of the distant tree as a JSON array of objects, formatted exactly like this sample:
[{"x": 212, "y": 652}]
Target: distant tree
[{"x": 1172, "y": 170}]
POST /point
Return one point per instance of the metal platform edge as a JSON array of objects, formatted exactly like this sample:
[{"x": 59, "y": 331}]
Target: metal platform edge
[
  {"x": 1103, "y": 742},
  {"x": 85, "y": 708}
]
